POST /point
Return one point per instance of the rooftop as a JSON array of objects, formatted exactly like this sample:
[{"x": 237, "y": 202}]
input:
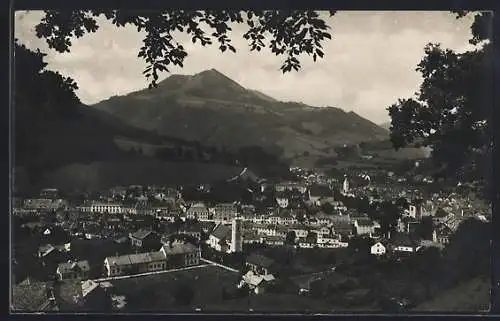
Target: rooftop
[
  {"x": 222, "y": 231},
  {"x": 73, "y": 266}
]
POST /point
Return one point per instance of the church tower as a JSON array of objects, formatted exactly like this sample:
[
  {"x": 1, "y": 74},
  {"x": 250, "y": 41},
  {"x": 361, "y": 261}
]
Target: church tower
[
  {"x": 236, "y": 236},
  {"x": 345, "y": 185}
]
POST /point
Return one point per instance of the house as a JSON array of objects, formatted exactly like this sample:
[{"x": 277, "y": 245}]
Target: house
[
  {"x": 225, "y": 212},
  {"x": 180, "y": 254},
  {"x": 290, "y": 186},
  {"x": 98, "y": 207},
  {"x": 322, "y": 218},
  {"x": 282, "y": 200},
  {"x": 207, "y": 227},
  {"x": 192, "y": 230},
  {"x": 49, "y": 193},
  {"x": 259, "y": 264},
  {"x": 442, "y": 234},
  {"x": 310, "y": 241},
  {"x": 46, "y": 250},
  {"x": 256, "y": 282},
  {"x": 277, "y": 240},
  {"x": 378, "y": 249},
  {"x": 272, "y": 230},
  {"x": 324, "y": 239},
  {"x": 77, "y": 296},
  {"x": 251, "y": 237},
  {"x": 301, "y": 231},
  {"x": 440, "y": 216},
  {"x": 342, "y": 227},
  {"x": 364, "y": 226},
  {"x": 33, "y": 297},
  {"x": 144, "y": 239},
  {"x": 135, "y": 263},
  {"x": 220, "y": 238},
  {"x": 403, "y": 243},
  {"x": 198, "y": 211},
  {"x": 324, "y": 231},
  {"x": 73, "y": 270}
]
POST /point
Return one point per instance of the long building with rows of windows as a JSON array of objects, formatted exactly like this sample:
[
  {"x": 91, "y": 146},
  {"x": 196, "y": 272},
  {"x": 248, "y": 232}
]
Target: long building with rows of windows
[{"x": 170, "y": 256}]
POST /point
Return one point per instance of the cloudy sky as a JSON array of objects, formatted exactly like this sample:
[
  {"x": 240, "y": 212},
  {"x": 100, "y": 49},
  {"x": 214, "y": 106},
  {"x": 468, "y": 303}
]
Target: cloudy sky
[{"x": 369, "y": 63}]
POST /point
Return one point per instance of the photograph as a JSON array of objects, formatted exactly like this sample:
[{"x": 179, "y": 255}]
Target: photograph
[{"x": 272, "y": 162}]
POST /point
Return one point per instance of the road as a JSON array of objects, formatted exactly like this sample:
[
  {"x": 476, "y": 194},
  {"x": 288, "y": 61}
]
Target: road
[
  {"x": 208, "y": 263},
  {"x": 219, "y": 265}
]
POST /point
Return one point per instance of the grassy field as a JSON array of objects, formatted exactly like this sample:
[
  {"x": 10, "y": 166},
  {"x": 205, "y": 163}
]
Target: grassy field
[
  {"x": 157, "y": 293},
  {"x": 472, "y": 296}
]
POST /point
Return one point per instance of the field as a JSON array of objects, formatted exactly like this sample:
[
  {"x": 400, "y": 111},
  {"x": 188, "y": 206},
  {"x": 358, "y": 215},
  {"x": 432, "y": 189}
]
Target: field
[
  {"x": 161, "y": 292},
  {"x": 472, "y": 296}
]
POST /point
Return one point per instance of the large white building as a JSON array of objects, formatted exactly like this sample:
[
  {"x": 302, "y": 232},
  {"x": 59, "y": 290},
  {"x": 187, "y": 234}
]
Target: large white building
[{"x": 106, "y": 208}]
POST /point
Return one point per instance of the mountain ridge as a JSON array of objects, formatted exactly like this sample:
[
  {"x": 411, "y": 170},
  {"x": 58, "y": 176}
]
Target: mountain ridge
[{"x": 211, "y": 108}]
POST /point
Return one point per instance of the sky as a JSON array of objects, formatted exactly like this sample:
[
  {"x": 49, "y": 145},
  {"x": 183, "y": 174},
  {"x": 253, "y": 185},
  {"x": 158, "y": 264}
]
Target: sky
[{"x": 369, "y": 63}]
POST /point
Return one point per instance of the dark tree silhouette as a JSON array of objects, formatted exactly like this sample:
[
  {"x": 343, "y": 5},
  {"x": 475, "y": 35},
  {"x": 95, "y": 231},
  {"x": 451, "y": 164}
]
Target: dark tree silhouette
[
  {"x": 453, "y": 109},
  {"x": 290, "y": 238},
  {"x": 40, "y": 97},
  {"x": 285, "y": 32}
]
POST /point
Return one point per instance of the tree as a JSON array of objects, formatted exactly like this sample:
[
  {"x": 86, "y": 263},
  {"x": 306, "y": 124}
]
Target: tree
[
  {"x": 425, "y": 228},
  {"x": 41, "y": 96},
  {"x": 452, "y": 111},
  {"x": 287, "y": 33},
  {"x": 290, "y": 238}
]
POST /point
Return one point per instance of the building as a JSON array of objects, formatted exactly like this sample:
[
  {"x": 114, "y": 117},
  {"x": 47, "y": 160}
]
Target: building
[
  {"x": 99, "y": 207},
  {"x": 282, "y": 200},
  {"x": 403, "y": 243},
  {"x": 198, "y": 211},
  {"x": 225, "y": 212},
  {"x": 180, "y": 254},
  {"x": 45, "y": 204},
  {"x": 364, "y": 226},
  {"x": 256, "y": 282},
  {"x": 144, "y": 239},
  {"x": 191, "y": 230},
  {"x": 290, "y": 186},
  {"x": 134, "y": 264},
  {"x": 172, "y": 255},
  {"x": 378, "y": 249},
  {"x": 220, "y": 238},
  {"x": 73, "y": 270}
]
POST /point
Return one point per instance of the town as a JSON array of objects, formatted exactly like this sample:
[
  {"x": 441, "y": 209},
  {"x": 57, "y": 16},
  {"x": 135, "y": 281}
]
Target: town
[{"x": 313, "y": 235}]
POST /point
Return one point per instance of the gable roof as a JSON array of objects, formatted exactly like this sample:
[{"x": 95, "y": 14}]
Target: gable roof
[
  {"x": 73, "y": 266},
  {"x": 402, "y": 239},
  {"x": 221, "y": 231},
  {"x": 179, "y": 248},
  {"x": 141, "y": 234}
]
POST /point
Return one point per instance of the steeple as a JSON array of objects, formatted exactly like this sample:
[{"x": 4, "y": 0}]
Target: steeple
[{"x": 345, "y": 186}]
